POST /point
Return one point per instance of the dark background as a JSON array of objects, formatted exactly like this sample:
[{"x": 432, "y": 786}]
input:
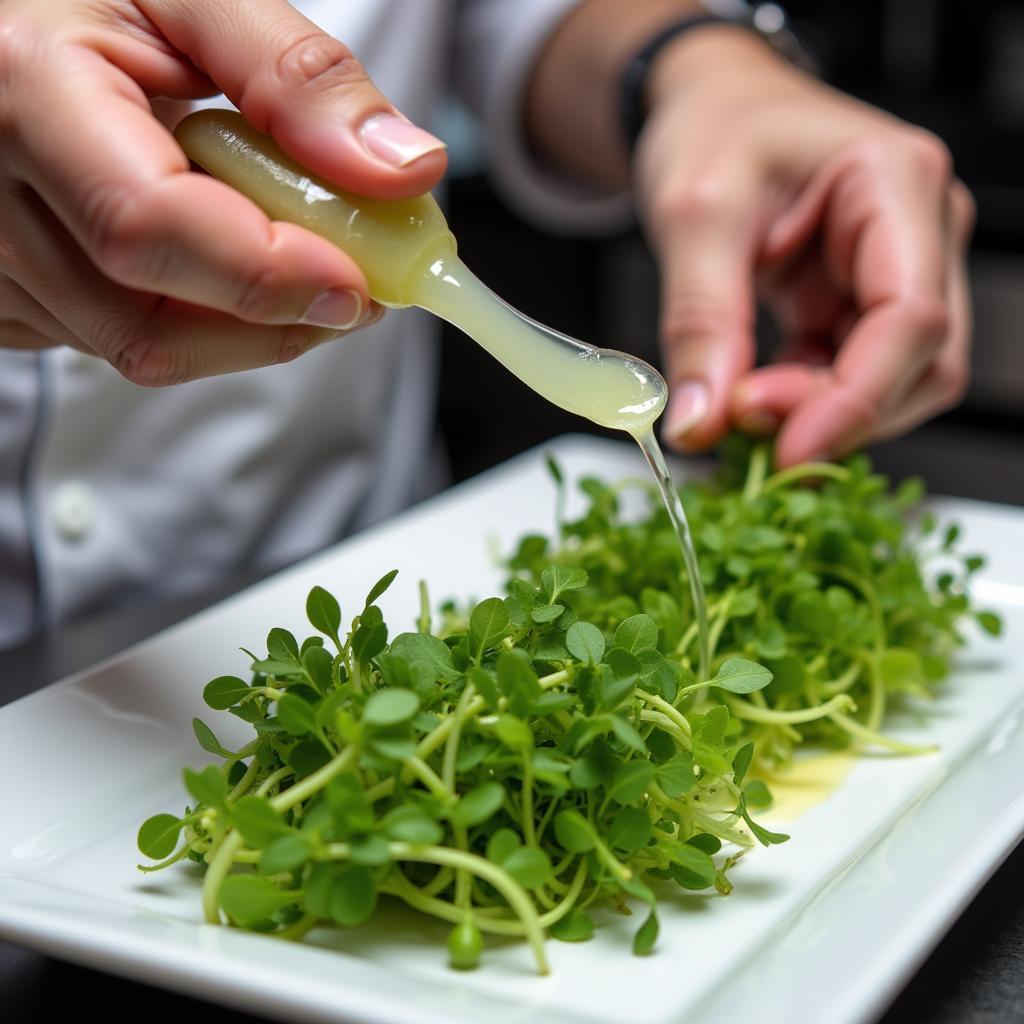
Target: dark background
[{"x": 957, "y": 69}]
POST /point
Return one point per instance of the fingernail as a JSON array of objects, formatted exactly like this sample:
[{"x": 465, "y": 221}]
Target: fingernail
[
  {"x": 760, "y": 423},
  {"x": 687, "y": 406},
  {"x": 340, "y": 308},
  {"x": 395, "y": 141}
]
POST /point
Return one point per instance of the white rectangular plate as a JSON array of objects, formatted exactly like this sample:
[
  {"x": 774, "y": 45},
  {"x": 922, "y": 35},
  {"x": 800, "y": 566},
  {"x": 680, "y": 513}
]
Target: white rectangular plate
[{"x": 823, "y": 928}]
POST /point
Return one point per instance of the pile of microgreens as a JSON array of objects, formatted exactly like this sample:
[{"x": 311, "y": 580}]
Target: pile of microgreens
[
  {"x": 847, "y": 598},
  {"x": 552, "y": 749}
]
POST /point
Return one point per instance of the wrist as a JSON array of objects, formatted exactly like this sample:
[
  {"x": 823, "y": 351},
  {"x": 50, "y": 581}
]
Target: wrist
[{"x": 721, "y": 52}]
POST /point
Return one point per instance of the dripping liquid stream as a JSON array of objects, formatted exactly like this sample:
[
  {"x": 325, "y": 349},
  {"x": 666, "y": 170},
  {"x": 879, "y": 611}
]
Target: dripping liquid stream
[{"x": 677, "y": 517}]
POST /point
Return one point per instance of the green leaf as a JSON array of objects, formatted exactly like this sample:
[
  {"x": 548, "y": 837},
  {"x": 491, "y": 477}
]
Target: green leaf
[
  {"x": 208, "y": 786},
  {"x": 378, "y": 589},
  {"x": 278, "y": 669},
  {"x": 545, "y": 613},
  {"x": 389, "y": 707},
  {"x": 630, "y": 829},
  {"x": 692, "y": 867},
  {"x": 412, "y": 824},
  {"x": 324, "y": 613},
  {"x": 738, "y": 675},
  {"x": 488, "y": 625},
  {"x": 224, "y": 692},
  {"x": 585, "y": 642},
  {"x": 990, "y": 622},
  {"x": 250, "y": 900},
  {"x": 282, "y": 646},
  {"x": 307, "y": 756},
  {"x": 371, "y": 850},
  {"x": 900, "y": 668},
  {"x": 554, "y": 469},
  {"x": 206, "y": 739},
  {"x": 485, "y": 685},
  {"x": 298, "y": 716},
  {"x": 627, "y": 734},
  {"x": 573, "y": 832},
  {"x": 529, "y": 866},
  {"x": 347, "y": 799},
  {"x": 574, "y": 927},
  {"x": 258, "y": 822},
  {"x": 479, "y": 804},
  {"x": 158, "y": 836},
  {"x": 353, "y": 896},
  {"x": 513, "y": 732},
  {"x": 557, "y": 579},
  {"x": 757, "y": 794},
  {"x": 422, "y": 649},
  {"x": 517, "y": 680},
  {"x": 706, "y": 842},
  {"x": 646, "y": 936},
  {"x": 741, "y": 762},
  {"x": 368, "y": 641},
  {"x": 502, "y": 844},
  {"x": 637, "y": 633},
  {"x": 285, "y": 853},
  {"x": 763, "y": 836},
  {"x": 676, "y": 776},
  {"x": 319, "y": 665},
  {"x": 630, "y": 781}
]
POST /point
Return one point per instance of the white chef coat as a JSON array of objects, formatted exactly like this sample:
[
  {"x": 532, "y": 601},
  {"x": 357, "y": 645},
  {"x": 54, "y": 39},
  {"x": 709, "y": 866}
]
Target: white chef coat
[{"x": 112, "y": 493}]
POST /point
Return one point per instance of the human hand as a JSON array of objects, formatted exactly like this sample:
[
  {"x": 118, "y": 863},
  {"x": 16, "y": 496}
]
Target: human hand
[
  {"x": 111, "y": 244},
  {"x": 754, "y": 178}
]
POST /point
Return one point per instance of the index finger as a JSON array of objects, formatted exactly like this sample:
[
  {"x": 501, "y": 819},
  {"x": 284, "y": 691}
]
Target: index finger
[
  {"x": 88, "y": 143},
  {"x": 886, "y": 239}
]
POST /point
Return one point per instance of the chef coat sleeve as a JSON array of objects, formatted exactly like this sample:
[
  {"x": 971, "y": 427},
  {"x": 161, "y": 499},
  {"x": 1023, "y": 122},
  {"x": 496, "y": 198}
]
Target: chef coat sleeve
[{"x": 496, "y": 46}]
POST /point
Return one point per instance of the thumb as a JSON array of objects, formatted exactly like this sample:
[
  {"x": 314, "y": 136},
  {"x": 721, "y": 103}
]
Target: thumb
[
  {"x": 306, "y": 89},
  {"x": 705, "y": 248}
]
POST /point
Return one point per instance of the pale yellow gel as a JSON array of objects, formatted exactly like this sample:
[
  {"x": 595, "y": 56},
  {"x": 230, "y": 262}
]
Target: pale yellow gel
[
  {"x": 409, "y": 258},
  {"x": 804, "y": 783}
]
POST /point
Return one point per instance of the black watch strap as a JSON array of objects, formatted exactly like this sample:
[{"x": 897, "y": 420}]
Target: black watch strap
[
  {"x": 767, "y": 21},
  {"x": 633, "y": 86}
]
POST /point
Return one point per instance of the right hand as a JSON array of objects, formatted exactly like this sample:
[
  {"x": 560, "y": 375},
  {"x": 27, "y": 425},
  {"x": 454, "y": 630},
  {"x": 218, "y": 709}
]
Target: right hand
[{"x": 111, "y": 244}]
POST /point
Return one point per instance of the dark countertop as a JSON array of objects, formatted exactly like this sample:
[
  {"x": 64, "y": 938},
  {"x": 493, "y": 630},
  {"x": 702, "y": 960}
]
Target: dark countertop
[{"x": 974, "y": 976}]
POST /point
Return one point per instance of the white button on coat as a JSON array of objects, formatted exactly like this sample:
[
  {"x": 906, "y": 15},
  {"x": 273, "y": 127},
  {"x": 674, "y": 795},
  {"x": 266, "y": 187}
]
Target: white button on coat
[{"x": 74, "y": 510}]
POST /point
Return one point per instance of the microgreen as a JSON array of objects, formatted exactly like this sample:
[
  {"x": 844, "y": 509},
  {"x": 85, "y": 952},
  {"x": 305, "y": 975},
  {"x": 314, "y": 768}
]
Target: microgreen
[{"x": 552, "y": 747}]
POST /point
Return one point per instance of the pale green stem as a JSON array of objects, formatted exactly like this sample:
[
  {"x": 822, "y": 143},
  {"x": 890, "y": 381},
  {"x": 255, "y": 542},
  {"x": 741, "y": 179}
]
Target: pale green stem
[
  {"x": 251, "y": 771},
  {"x": 744, "y": 709},
  {"x": 313, "y": 783},
  {"x": 669, "y": 710},
  {"x": 666, "y": 723},
  {"x": 866, "y": 735},
  {"x": 803, "y": 472},
  {"x": 427, "y": 776},
  {"x": 514, "y": 894}
]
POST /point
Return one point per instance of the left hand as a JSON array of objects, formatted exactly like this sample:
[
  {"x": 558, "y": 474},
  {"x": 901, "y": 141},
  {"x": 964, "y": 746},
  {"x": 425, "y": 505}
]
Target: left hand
[{"x": 754, "y": 178}]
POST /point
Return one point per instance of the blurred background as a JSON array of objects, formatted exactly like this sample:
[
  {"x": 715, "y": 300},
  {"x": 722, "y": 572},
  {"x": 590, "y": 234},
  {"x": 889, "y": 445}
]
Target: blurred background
[{"x": 931, "y": 62}]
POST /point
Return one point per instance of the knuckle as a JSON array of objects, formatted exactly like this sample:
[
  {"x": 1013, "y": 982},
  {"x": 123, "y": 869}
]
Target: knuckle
[
  {"x": 317, "y": 61},
  {"x": 120, "y": 234},
  {"x": 255, "y": 302},
  {"x": 132, "y": 345},
  {"x": 293, "y": 342},
  {"x": 928, "y": 154},
  {"x": 700, "y": 199},
  {"x": 950, "y": 381},
  {"x": 929, "y": 319},
  {"x": 690, "y": 315}
]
